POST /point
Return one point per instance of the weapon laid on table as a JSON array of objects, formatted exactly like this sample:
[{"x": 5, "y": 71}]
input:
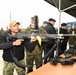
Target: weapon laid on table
[
  {"x": 63, "y": 61},
  {"x": 71, "y": 51},
  {"x": 68, "y": 59}
]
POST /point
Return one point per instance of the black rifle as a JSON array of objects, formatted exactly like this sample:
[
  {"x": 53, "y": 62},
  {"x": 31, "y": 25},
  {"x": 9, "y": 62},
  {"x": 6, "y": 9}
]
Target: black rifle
[
  {"x": 35, "y": 29},
  {"x": 23, "y": 36}
]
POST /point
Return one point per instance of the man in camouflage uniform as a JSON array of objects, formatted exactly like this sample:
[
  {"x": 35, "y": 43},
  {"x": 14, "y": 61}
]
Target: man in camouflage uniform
[
  {"x": 72, "y": 39},
  {"x": 34, "y": 54}
]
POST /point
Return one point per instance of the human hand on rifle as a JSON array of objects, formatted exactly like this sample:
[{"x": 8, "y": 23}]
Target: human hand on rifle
[{"x": 17, "y": 42}]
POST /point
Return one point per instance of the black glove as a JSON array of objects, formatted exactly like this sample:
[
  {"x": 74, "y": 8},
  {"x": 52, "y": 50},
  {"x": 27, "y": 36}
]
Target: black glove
[{"x": 29, "y": 46}]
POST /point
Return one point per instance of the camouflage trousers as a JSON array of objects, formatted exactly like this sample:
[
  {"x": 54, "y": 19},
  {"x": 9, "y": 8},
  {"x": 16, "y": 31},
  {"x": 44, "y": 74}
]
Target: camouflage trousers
[
  {"x": 31, "y": 58},
  {"x": 10, "y": 66}
]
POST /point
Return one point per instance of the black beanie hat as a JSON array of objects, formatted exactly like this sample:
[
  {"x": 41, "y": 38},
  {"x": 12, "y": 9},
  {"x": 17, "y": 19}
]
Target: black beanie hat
[{"x": 63, "y": 24}]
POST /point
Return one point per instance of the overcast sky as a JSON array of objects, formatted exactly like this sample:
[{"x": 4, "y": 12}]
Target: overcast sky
[{"x": 23, "y": 10}]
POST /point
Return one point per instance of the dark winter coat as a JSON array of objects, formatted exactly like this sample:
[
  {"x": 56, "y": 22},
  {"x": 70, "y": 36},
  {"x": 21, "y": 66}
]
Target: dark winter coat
[{"x": 6, "y": 44}]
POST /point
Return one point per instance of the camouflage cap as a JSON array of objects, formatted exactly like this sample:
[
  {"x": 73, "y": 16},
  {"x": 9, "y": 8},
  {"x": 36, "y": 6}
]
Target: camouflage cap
[
  {"x": 13, "y": 23},
  {"x": 33, "y": 18}
]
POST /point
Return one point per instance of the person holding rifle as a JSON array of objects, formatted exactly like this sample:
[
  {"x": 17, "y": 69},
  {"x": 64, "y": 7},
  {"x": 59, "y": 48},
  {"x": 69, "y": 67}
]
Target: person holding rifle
[
  {"x": 12, "y": 46},
  {"x": 35, "y": 53}
]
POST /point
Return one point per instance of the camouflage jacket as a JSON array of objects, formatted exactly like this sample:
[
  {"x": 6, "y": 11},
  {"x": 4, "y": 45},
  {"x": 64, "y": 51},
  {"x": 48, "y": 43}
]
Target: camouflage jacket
[
  {"x": 72, "y": 38},
  {"x": 37, "y": 49},
  {"x": 1, "y": 31},
  {"x": 40, "y": 31}
]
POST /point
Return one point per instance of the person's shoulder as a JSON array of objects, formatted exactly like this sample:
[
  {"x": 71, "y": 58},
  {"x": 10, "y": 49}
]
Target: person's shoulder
[
  {"x": 49, "y": 25},
  {"x": 27, "y": 29},
  {"x": 42, "y": 30},
  {"x": 5, "y": 32}
]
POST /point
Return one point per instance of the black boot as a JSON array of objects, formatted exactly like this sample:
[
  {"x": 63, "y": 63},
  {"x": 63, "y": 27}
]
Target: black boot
[
  {"x": 22, "y": 74},
  {"x": 29, "y": 71}
]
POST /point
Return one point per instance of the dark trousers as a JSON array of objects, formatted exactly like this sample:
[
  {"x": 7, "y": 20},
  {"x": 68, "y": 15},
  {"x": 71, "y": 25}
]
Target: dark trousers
[
  {"x": 46, "y": 50},
  {"x": 22, "y": 74},
  {"x": 62, "y": 48}
]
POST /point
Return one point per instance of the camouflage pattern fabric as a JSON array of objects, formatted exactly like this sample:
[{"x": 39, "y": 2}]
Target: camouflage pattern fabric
[
  {"x": 72, "y": 39},
  {"x": 36, "y": 54},
  {"x": 9, "y": 68},
  {"x": 1, "y": 31}
]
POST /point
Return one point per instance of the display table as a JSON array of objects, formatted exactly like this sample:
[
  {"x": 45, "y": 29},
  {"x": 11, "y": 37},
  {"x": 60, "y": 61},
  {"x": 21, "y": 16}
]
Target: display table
[{"x": 49, "y": 69}]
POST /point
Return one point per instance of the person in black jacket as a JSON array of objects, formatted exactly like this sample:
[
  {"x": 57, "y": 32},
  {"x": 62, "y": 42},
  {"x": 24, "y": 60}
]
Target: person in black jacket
[
  {"x": 63, "y": 42},
  {"x": 14, "y": 46},
  {"x": 47, "y": 46}
]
